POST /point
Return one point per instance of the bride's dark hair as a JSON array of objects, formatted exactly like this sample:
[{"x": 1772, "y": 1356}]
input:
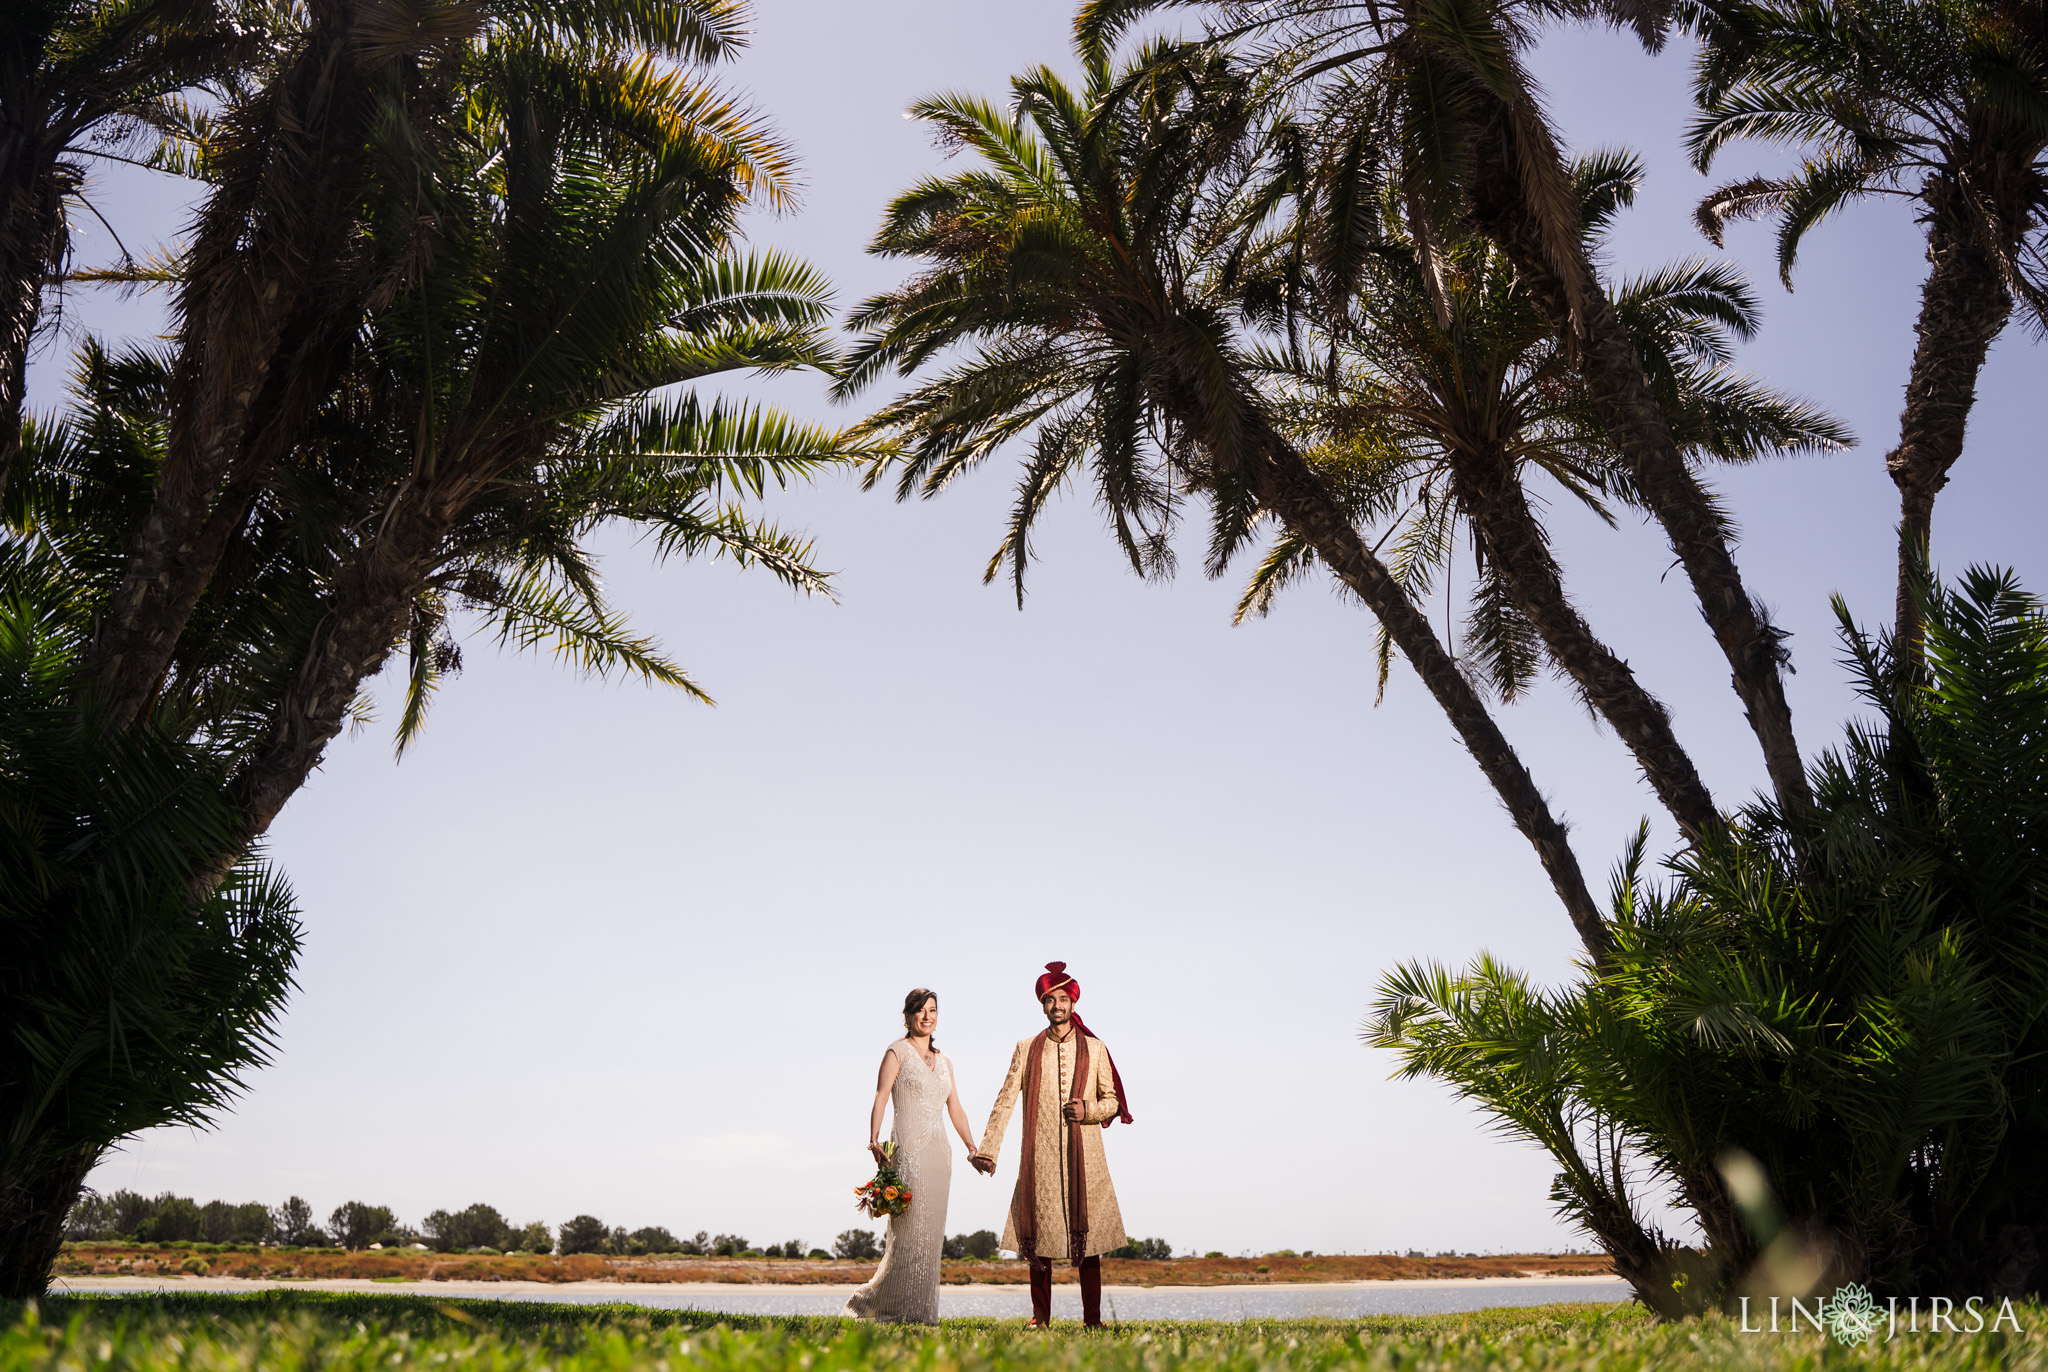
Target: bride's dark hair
[{"x": 913, "y": 1003}]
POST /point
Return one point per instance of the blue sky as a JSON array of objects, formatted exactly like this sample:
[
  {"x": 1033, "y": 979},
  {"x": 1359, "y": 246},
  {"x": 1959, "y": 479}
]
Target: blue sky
[{"x": 593, "y": 948}]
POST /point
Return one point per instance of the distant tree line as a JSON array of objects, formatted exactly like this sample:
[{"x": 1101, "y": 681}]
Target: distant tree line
[
  {"x": 168, "y": 1218},
  {"x": 357, "y": 1225},
  {"x": 589, "y": 1234}
]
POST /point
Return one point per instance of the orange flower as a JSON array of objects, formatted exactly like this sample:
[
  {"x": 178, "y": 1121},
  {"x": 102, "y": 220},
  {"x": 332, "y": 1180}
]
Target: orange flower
[{"x": 889, "y": 1193}]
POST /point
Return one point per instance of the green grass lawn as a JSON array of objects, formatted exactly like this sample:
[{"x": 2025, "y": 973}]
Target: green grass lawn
[{"x": 321, "y": 1332}]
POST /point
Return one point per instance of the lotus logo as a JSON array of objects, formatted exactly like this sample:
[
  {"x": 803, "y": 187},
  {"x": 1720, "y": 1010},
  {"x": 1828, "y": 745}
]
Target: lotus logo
[{"x": 1851, "y": 1315}]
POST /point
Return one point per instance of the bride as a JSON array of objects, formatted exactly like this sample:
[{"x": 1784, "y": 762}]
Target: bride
[{"x": 918, "y": 1080}]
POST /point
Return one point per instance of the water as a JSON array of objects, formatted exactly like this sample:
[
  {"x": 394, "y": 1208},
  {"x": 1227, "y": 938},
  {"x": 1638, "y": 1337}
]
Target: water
[{"x": 1183, "y": 1303}]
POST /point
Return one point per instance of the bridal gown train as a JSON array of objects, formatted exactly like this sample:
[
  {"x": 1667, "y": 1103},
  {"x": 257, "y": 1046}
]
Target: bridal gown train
[{"x": 905, "y": 1288}]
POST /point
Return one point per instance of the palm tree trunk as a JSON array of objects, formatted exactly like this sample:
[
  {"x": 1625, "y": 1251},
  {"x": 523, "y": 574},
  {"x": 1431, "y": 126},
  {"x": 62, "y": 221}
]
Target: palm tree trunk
[
  {"x": 31, "y": 239},
  {"x": 1963, "y": 307},
  {"x": 266, "y": 305},
  {"x": 199, "y": 511},
  {"x": 35, "y": 1199},
  {"x": 1287, "y": 486},
  {"x": 1620, "y": 390},
  {"x": 367, "y": 613},
  {"x": 1500, "y": 514}
]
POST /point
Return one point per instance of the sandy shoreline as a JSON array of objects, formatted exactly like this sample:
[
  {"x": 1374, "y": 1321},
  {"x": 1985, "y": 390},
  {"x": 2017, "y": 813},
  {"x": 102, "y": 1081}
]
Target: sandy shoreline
[{"x": 626, "y": 1291}]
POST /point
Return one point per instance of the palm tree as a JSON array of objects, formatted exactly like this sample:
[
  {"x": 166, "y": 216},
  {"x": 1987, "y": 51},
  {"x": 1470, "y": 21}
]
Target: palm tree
[
  {"x": 351, "y": 102},
  {"x": 1451, "y": 397},
  {"x": 542, "y": 256},
  {"x": 1940, "y": 102},
  {"x": 1475, "y": 151},
  {"x": 1070, "y": 262},
  {"x": 509, "y": 403},
  {"x": 1823, "y": 1033},
  {"x": 74, "y": 76},
  {"x": 130, "y": 1005}
]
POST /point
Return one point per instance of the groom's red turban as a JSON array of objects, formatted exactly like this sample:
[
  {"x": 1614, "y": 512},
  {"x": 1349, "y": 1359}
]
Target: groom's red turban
[{"x": 1055, "y": 978}]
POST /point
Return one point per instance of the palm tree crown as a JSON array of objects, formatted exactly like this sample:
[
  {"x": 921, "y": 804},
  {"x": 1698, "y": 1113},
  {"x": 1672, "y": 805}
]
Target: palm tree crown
[
  {"x": 1076, "y": 266},
  {"x": 1941, "y": 102}
]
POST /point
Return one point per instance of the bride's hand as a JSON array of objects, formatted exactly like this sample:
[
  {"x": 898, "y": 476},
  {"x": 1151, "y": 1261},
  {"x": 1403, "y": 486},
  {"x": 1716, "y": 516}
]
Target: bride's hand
[{"x": 881, "y": 1158}]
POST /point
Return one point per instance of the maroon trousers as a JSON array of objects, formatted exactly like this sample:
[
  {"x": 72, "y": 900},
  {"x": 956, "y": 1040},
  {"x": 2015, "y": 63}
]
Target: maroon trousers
[{"x": 1091, "y": 1290}]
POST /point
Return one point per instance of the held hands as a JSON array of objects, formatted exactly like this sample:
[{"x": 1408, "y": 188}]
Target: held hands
[
  {"x": 982, "y": 1164},
  {"x": 881, "y": 1157}
]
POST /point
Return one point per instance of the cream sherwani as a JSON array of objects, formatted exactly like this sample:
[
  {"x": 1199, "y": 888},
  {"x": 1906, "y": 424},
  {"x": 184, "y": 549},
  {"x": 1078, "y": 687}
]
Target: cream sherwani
[{"x": 1052, "y": 1199}]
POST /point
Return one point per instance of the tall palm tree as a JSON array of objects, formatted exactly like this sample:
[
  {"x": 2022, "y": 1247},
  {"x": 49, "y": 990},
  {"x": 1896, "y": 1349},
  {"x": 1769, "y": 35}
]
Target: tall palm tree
[
  {"x": 541, "y": 256},
  {"x": 76, "y": 75},
  {"x": 1475, "y": 151},
  {"x": 352, "y": 101},
  {"x": 510, "y": 401},
  {"x": 1071, "y": 263},
  {"x": 1940, "y": 102},
  {"x": 1453, "y": 393}
]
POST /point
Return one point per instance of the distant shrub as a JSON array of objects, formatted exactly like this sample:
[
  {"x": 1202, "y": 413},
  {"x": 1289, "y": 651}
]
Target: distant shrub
[
  {"x": 1148, "y": 1250},
  {"x": 358, "y": 1224},
  {"x": 226, "y": 1222},
  {"x": 1284, "y": 1253},
  {"x": 795, "y": 1248},
  {"x": 290, "y": 1221},
  {"x": 174, "y": 1218},
  {"x": 479, "y": 1226},
  {"x": 653, "y": 1239},
  {"x": 536, "y": 1238},
  {"x": 729, "y": 1246},
  {"x": 1212, "y": 1253},
  {"x": 817, "y": 1253},
  {"x": 91, "y": 1218},
  {"x": 195, "y": 1265},
  {"x": 697, "y": 1246},
  {"x": 856, "y": 1243},
  {"x": 981, "y": 1244},
  {"x": 584, "y": 1234}
]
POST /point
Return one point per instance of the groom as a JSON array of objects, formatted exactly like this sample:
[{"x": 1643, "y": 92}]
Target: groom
[{"x": 1064, "y": 1206}]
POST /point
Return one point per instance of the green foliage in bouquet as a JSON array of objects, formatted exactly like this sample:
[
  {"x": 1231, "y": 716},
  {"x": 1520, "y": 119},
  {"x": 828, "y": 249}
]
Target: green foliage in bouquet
[{"x": 886, "y": 1194}]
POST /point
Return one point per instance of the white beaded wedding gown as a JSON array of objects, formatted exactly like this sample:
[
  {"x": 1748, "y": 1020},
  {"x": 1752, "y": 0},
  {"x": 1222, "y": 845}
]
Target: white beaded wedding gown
[{"x": 905, "y": 1288}]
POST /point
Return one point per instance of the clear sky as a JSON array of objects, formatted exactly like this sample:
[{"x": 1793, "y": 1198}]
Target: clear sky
[{"x": 592, "y": 948}]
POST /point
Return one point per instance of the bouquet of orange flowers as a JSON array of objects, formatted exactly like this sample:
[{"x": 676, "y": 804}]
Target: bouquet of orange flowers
[{"x": 886, "y": 1194}]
